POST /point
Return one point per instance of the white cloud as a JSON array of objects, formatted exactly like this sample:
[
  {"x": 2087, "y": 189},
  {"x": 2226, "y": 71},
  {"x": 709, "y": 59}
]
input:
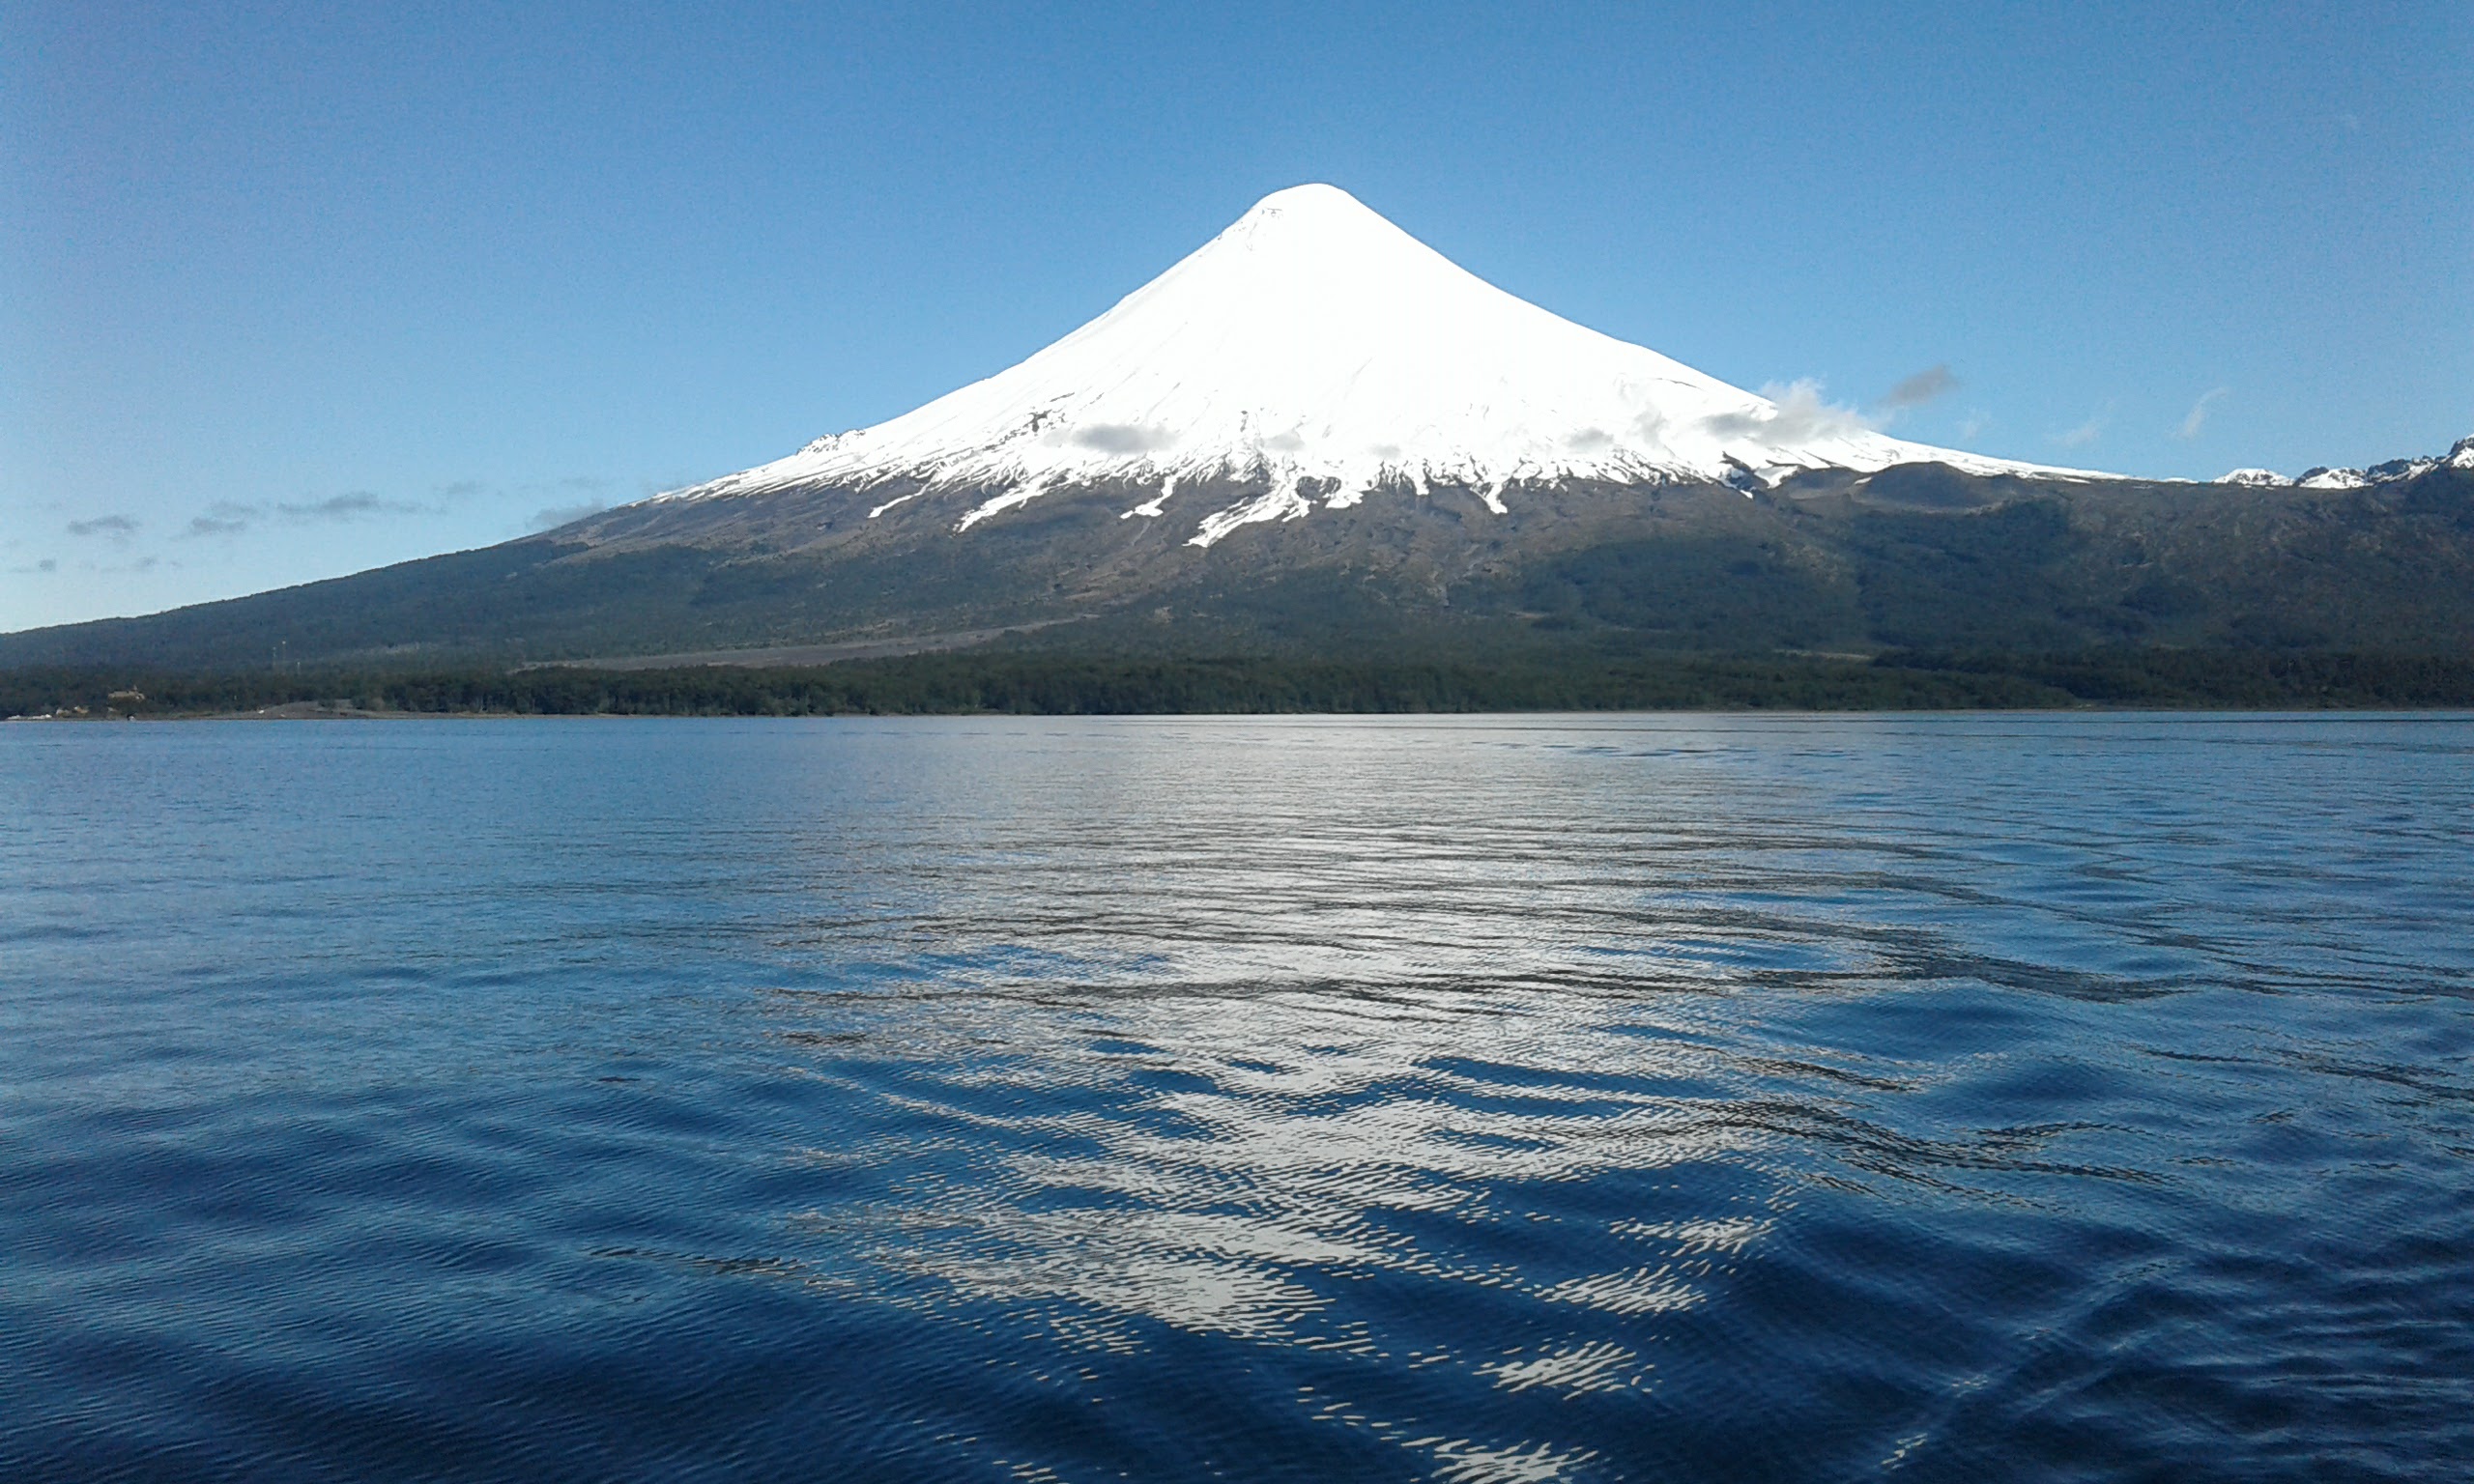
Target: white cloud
[
  {"x": 2197, "y": 417},
  {"x": 2086, "y": 431},
  {"x": 1800, "y": 416}
]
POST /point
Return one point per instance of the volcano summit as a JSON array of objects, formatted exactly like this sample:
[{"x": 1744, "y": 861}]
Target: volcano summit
[{"x": 1318, "y": 352}]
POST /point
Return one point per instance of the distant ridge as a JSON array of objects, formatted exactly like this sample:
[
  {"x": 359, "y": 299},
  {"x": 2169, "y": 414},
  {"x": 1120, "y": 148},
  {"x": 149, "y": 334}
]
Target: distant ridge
[{"x": 2460, "y": 456}]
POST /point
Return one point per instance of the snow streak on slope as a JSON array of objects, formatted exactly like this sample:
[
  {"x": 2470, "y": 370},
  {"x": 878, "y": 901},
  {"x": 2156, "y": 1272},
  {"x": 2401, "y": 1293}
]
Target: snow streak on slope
[{"x": 1317, "y": 350}]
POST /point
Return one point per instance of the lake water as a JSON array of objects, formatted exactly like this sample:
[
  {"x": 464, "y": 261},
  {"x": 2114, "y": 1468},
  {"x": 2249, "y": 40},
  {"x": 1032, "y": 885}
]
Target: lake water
[{"x": 1489, "y": 1099}]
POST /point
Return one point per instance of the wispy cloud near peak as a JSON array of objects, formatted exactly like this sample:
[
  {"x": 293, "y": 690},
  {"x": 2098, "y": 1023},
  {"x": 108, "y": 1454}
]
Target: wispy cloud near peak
[
  {"x": 1916, "y": 390},
  {"x": 1802, "y": 415}
]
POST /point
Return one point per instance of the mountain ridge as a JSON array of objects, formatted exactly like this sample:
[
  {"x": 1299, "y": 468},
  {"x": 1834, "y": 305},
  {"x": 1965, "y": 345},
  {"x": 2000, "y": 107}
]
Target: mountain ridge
[{"x": 1316, "y": 436}]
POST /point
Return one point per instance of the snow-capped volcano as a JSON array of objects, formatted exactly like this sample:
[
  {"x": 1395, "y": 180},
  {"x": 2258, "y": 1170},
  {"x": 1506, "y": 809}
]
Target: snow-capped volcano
[{"x": 1314, "y": 355}]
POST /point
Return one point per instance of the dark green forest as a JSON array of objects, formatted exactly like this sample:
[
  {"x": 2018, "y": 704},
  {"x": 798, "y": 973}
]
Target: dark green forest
[{"x": 1044, "y": 684}]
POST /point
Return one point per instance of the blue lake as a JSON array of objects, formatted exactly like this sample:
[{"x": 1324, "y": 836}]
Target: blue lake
[{"x": 1473, "y": 1099}]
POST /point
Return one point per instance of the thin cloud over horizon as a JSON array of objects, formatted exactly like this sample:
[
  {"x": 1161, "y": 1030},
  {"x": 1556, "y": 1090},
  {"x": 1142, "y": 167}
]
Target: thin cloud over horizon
[
  {"x": 117, "y": 528},
  {"x": 2083, "y": 434},
  {"x": 2197, "y": 418}
]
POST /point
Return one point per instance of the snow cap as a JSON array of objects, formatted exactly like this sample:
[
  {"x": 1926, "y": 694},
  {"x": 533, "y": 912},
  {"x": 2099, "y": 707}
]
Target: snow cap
[{"x": 1318, "y": 354}]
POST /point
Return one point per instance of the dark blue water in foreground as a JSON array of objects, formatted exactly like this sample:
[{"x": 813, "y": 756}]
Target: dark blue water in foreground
[{"x": 1509, "y": 1098}]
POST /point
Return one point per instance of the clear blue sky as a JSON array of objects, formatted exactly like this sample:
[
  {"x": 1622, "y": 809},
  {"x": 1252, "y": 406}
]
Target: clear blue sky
[{"x": 290, "y": 291}]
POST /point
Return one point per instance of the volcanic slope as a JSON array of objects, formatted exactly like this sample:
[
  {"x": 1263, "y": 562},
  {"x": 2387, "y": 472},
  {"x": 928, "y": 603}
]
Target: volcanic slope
[{"x": 1316, "y": 434}]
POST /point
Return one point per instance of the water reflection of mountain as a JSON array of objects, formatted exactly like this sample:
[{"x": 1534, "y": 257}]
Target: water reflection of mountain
[{"x": 1552, "y": 1029}]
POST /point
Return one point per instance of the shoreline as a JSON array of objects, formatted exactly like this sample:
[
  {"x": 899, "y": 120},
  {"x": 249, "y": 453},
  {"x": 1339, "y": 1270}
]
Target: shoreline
[
  {"x": 2218, "y": 712},
  {"x": 1053, "y": 684}
]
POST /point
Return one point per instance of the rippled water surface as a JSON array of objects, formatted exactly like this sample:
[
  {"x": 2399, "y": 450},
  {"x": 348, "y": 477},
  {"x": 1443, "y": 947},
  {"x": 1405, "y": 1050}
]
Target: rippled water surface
[{"x": 1504, "y": 1098}]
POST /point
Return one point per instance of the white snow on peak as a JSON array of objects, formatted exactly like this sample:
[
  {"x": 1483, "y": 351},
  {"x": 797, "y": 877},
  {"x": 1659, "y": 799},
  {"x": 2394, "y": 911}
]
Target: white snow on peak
[
  {"x": 2461, "y": 454},
  {"x": 1318, "y": 348},
  {"x": 2333, "y": 479},
  {"x": 2258, "y": 476}
]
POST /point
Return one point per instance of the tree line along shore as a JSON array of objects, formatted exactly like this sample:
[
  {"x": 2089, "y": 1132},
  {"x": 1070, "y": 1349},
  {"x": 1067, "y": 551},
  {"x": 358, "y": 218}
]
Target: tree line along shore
[{"x": 1050, "y": 684}]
